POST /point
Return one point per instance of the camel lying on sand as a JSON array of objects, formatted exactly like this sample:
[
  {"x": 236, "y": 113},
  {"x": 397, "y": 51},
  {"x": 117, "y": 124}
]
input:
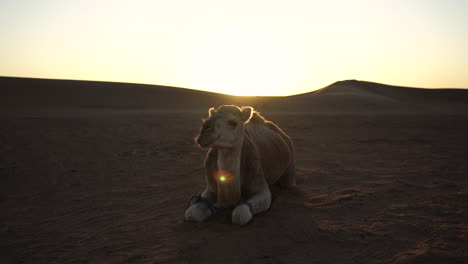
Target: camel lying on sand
[{"x": 246, "y": 154}]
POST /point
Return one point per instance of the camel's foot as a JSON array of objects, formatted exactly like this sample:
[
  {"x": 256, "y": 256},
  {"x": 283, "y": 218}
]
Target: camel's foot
[
  {"x": 241, "y": 215},
  {"x": 197, "y": 212}
]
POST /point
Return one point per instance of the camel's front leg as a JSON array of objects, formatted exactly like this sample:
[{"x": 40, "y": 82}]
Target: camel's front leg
[
  {"x": 197, "y": 212},
  {"x": 201, "y": 210},
  {"x": 258, "y": 203}
]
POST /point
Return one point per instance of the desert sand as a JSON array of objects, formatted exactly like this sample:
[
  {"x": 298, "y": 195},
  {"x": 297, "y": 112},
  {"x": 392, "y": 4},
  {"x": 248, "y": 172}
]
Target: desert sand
[{"x": 95, "y": 172}]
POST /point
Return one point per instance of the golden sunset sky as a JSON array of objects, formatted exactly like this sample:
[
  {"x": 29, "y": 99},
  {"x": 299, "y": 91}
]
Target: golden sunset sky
[{"x": 238, "y": 47}]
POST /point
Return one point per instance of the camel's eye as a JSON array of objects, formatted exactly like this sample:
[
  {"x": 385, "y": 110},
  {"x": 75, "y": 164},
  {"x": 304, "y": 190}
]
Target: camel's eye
[{"x": 232, "y": 123}]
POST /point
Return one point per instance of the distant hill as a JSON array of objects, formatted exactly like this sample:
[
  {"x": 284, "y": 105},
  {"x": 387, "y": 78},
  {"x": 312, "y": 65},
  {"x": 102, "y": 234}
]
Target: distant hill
[
  {"x": 51, "y": 93},
  {"x": 362, "y": 96},
  {"x": 350, "y": 96},
  {"x": 389, "y": 92}
]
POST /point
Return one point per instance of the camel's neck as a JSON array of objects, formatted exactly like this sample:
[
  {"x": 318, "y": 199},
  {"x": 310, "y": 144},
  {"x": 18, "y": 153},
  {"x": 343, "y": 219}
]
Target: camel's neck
[{"x": 229, "y": 159}]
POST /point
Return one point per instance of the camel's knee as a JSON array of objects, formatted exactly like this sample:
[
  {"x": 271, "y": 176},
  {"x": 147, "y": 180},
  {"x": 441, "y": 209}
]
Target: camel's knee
[
  {"x": 197, "y": 212},
  {"x": 241, "y": 215}
]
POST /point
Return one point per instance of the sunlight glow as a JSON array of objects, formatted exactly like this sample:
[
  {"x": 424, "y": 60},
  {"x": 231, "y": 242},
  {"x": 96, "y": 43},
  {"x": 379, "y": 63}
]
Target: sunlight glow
[{"x": 239, "y": 60}]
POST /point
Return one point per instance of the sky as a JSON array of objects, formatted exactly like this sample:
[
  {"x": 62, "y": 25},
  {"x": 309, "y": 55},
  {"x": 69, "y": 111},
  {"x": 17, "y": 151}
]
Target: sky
[{"x": 238, "y": 47}]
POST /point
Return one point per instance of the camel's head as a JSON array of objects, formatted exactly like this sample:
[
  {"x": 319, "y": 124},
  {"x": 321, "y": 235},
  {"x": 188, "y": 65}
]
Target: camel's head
[{"x": 224, "y": 127}]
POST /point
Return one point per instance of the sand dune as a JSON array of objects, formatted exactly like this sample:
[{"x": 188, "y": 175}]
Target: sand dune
[
  {"x": 343, "y": 96},
  {"x": 361, "y": 96},
  {"x": 111, "y": 184},
  {"x": 48, "y": 93},
  {"x": 363, "y": 88}
]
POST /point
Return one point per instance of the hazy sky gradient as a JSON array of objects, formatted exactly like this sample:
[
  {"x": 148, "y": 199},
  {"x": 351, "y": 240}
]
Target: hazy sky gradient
[{"x": 238, "y": 47}]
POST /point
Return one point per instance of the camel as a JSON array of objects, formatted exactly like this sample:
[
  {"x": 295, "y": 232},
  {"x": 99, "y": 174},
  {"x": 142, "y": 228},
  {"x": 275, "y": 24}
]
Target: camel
[{"x": 246, "y": 154}]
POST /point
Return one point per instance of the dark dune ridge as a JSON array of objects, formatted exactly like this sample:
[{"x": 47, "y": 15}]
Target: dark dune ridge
[
  {"x": 342, "y": 96},
  {"x": 30, "y": 92},
  {"x": 104, "y": 174},
  {"x": 357, "y": 96}
]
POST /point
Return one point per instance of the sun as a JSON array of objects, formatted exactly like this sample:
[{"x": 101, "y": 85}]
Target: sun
[{"x": 241, "y": 60}]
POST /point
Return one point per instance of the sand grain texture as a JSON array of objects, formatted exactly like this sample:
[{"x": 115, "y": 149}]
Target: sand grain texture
[{"x": 110, "y": 185}]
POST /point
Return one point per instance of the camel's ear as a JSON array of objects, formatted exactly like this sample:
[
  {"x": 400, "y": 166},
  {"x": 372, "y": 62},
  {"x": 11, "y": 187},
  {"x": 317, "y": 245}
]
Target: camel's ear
[
  {"x": 247, "y": 113},
  {"x": 211, "y": 111}
]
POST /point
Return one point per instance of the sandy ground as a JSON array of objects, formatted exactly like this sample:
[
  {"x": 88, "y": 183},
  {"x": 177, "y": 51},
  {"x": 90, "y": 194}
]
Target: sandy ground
[{"x": 112, "y": 187}]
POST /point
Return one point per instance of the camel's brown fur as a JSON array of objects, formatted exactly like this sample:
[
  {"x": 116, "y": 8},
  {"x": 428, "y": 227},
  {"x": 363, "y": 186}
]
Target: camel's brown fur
[{"x": 265, "y": 152}]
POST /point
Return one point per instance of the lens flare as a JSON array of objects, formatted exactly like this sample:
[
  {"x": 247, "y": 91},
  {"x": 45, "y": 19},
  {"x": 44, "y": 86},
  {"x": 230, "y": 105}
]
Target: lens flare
[{"x": 223, "y": 176}]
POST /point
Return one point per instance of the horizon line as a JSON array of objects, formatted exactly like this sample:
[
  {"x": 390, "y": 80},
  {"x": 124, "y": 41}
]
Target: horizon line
[{"x": 200, "y": 90}]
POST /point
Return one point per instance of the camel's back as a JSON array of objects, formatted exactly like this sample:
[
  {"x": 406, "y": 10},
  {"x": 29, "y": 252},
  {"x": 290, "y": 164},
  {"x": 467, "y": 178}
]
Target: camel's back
[{"x": 273, "y": 146}]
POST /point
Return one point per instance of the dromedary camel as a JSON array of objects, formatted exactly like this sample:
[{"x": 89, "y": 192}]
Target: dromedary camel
[{"x": 246, "y": 153}]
